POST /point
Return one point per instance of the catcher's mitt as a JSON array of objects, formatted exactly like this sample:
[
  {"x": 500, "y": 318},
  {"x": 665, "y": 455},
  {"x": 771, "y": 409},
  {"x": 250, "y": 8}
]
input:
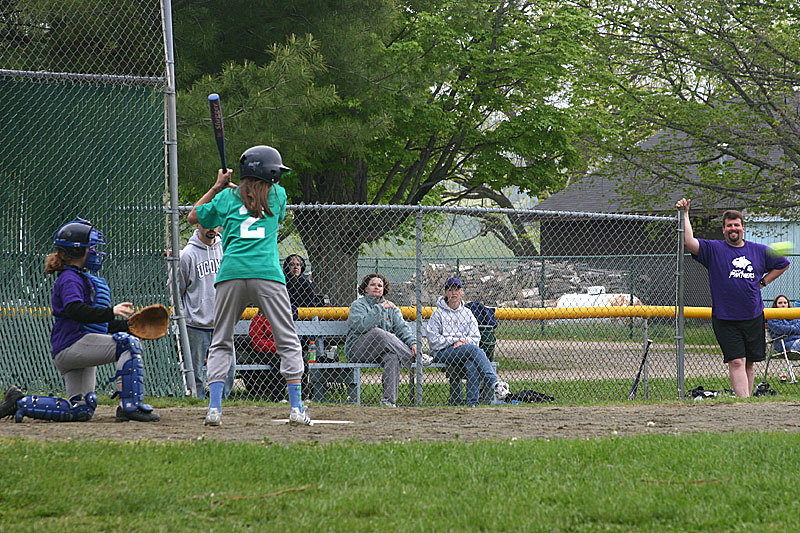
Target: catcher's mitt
[{"x": 152, "y": 322}]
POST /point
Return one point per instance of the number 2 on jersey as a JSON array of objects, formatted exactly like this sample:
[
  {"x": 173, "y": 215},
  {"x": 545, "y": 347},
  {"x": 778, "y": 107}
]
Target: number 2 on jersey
[{"x": 245, "y": 232}]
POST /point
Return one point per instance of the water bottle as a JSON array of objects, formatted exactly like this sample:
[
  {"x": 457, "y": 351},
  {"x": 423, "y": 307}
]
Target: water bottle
[
  {"x": 783, "y": 375},
  {"x": 312, "y": 352}
]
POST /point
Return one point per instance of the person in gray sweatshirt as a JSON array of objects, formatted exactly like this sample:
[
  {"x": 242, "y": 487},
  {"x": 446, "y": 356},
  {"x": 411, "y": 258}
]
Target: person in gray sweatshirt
[
  {"x": 200, "y": 260},
  {"x": 378, "y": 334},
  {"x": 453, "y": 336}
]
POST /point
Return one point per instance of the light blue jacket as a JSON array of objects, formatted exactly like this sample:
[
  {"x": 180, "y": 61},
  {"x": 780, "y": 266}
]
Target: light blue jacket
[{"x": 366, "y": 314}]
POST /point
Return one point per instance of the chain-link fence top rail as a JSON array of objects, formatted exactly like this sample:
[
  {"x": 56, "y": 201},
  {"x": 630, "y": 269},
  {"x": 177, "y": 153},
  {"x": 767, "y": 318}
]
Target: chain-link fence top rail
[
  {"x": 83, "y": 135},
  {"x": 590, "y": 260}
]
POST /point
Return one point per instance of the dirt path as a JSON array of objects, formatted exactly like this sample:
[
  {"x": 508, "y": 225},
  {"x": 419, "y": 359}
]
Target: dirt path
[{"x": 374, "y": 424}]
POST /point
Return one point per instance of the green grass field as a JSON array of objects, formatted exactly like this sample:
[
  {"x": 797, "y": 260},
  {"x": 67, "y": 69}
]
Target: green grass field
[{"x": 701, "y": 482}]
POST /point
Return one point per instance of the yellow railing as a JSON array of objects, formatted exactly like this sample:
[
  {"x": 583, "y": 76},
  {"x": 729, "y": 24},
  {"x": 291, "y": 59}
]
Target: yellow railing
[
  {"x": 549, "y": 313},
  {"x": 501, "y": 313}
]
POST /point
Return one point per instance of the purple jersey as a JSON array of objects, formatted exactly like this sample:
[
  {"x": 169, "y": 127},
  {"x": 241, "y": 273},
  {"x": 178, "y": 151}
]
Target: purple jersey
[
  {"x": 733, "y": 275},
  {"x": 70, "y": 287}
]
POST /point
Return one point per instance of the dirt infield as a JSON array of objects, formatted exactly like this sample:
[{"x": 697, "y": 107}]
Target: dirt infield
[{"x": 375, "y": 424}]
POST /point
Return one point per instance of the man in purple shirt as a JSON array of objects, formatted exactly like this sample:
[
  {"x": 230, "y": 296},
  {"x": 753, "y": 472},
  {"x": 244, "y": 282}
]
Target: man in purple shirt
[{"x": 737, "y": 271}]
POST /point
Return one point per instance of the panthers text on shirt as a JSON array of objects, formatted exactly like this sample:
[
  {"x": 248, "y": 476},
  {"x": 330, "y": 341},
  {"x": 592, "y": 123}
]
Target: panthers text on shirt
[
  {"x": 204, "y": 268},
  {"x": 742, "y": 268}
]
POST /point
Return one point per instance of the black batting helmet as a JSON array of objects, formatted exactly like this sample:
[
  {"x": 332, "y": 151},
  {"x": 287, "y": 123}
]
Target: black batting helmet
[{"x": 262, "y": 162}]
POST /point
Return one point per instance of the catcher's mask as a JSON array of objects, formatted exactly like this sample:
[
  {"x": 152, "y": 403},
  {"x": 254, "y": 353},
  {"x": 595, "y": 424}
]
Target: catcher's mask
[
  {"x": 262, "y": 162},
  {"x": 78, "y": 234}
]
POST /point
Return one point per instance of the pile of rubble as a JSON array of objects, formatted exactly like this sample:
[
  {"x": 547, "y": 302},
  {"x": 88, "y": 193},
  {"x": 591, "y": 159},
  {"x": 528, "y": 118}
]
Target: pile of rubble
[{"x": 515, "y": 284}]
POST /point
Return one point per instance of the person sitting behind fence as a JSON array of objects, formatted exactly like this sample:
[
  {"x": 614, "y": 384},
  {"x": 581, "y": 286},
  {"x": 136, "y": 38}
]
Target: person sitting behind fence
[
  {"x": 453, "y": 336},
  {"x": 300, "y": 289},
  {"x": 301, "y": 294},
  {"x": 377, "y": 333},
  {"x": 781, "y": 326}
]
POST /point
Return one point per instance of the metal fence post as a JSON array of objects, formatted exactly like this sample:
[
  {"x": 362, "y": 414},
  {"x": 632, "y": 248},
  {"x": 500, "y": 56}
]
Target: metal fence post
[
  {"x": 646, "y": 372},
  {"x": 680, "y": 274},
  {"x": 418, "y": 253},
  {"x": 172, "y": 159}
]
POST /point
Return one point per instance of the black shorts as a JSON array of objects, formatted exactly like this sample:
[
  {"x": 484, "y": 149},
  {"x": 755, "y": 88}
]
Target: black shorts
[{"x": 741, "y": 338}]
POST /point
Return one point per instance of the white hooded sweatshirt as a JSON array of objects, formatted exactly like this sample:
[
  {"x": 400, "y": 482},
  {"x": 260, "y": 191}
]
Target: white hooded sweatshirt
[
  {"x": 198, "y": 274},
  {"x": 447, "y": 325}
]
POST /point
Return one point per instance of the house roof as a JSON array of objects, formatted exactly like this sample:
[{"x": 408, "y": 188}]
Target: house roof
[
  {"x": 600, "y": 194},
  {"x": 602, "y": 191}
]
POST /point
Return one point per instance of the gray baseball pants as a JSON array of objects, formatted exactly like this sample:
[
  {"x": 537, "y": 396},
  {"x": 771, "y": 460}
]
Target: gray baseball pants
[
  {"x": 233, "y": 297},
  {"x": 380, "y": 346}
]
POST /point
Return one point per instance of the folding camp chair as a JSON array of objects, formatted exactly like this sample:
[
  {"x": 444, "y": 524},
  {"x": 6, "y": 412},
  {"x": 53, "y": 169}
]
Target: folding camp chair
[{"x": 786, "y": 355}]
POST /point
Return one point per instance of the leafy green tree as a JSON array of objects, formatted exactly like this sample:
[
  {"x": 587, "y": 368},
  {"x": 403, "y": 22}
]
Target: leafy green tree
[
  {"x": 122, "y": 38},
  {"x": 706, "y": 95},
  {"x": 425, "y": 92}
]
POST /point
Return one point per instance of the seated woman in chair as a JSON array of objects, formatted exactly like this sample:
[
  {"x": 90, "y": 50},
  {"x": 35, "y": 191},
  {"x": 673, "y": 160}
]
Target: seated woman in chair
[
  {"x": 782, "y": 326},
  {"x": 453, "y": 336}
]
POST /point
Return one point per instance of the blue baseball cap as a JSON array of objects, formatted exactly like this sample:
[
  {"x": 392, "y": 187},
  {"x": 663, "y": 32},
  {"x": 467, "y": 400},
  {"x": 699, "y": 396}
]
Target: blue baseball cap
[{"x": 453, "y": 282}]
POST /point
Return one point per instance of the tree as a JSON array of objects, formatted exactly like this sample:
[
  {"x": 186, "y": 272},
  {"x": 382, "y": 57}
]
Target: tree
[
  {"x": 425, "y": 92},
  {"x": 706, "y": 93},
  {"x": 122, "y": 38}
]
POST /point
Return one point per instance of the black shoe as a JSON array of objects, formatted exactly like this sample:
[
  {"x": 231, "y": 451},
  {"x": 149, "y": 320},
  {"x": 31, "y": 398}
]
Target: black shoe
[
  {"x": 763, "y": 390},
  {"x": 9, "y": 405},
  {"x": 137, "y": 416}
]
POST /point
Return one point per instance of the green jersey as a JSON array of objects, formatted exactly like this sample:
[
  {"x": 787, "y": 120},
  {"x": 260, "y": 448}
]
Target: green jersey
[{"x": 249, "y": 244}]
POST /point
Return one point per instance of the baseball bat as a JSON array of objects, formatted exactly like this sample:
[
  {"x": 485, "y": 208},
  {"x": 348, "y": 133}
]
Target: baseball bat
[
  {"x": 219, "y": 130},
  {"x": 635, "y": 387}
]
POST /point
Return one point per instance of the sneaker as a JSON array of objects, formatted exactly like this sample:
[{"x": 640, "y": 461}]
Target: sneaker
[
  {"x": 426, "y": 359},
  {"x": 501, "y": 390},
  {"x": 298, "y": 415},
  {"x": 140, "y": 415},
  {"x": 213, "y": 417},
  {"x": 9, "y": 405},
  {"x": 387, "y": 403}
]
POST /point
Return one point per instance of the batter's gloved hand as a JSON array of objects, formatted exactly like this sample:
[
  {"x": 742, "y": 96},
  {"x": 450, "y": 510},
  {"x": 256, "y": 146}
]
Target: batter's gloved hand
[{"x": 152, "y": 322}]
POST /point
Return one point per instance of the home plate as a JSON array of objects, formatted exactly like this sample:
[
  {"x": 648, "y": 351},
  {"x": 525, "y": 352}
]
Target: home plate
[{"x": 286, "y": 421}]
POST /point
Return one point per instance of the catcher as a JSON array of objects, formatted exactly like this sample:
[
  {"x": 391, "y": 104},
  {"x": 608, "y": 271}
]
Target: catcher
[{"x": 87, "y": 333}]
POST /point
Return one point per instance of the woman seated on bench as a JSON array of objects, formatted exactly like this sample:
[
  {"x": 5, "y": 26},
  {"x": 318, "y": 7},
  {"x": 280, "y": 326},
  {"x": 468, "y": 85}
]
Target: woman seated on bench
[
  {"x": 453, "y": 336},
  {"x": 377, "y": 333},
  {"x": 788, "y": 327}
]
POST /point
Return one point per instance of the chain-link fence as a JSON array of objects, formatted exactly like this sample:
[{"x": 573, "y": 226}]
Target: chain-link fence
[
  {"x": 416, "y": 249},
  {"x": 83, "y": 107},
  {"x": 82, "y": 84}
]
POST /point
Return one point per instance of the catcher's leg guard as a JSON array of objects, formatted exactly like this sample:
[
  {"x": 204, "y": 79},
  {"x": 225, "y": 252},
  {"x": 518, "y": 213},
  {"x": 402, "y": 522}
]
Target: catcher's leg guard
[
  {"x": 132, "y": 374},
  {"x": 76, "y": 409},
  {"x": 127, "y": 342}
]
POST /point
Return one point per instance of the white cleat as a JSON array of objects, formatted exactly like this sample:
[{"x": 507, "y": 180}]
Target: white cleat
[
  {"x": 501, "y": 390},
  {"x": 426, "y": 359},
  {"x": 299, "y": 415},
  {"x": 213, "y": 418}
]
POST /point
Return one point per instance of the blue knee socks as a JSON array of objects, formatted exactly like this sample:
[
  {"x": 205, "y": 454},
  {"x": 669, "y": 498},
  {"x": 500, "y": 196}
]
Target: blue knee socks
[
  {"x": 295, "y": 396},
  {"x": 215, "y": 395}
]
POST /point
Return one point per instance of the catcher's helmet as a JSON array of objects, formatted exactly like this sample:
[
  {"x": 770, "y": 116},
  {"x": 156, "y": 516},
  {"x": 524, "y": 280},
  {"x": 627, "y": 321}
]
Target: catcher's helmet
[
  {"x": 262, "y": 162},
  {"x": 76, "y": 235}
]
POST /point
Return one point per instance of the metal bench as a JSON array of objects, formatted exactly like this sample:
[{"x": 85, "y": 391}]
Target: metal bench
[{"x": 322, "y": 375}]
